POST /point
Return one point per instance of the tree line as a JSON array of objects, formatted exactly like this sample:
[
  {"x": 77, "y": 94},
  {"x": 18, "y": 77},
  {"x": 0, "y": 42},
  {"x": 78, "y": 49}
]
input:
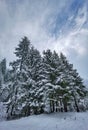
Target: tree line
[{"x": 36, "y": 84}]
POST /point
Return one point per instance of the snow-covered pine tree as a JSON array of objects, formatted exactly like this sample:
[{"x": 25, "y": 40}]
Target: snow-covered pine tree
[
  {"x": 77, "y": 89},
  {"x": 51, "y": 71},
  {"x": 71, "y": 82},
  {"x": 64, "y": 82},
  {"x": 25, "y": 81},
  {"x": 57, "y": 82},
  {"x": 34, "y": 72},
  {"x": 13, "y": 93},
  {"x": 28, "y": 79},
  {"x": 18, "y": 79}
]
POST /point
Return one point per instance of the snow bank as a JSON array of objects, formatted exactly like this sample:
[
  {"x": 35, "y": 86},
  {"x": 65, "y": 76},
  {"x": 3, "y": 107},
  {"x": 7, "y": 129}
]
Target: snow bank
[{"x": 56, "y": 121}]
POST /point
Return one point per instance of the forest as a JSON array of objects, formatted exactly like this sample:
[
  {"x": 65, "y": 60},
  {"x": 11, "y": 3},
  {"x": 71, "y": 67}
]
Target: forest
[{"x": 40, "y": 83}]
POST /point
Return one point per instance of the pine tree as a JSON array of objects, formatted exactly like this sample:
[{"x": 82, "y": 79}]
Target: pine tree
[
  {"x": 51, "y": 70},
  {"x": 28, "y": 69},
  {"x": 34, "y": 67},
  {"x": 18, "y": 78},
  {"x": 77, "y": 89},
  {"x": 72, "y": 84}
]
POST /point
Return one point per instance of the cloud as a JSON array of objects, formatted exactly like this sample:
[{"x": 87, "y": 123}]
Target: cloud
[
  {"x": 47, "y": 23},
  {"x": 33, "y": 19},
  {"x": 82, "y": 16},
  {"x": 75, "y": 38}
]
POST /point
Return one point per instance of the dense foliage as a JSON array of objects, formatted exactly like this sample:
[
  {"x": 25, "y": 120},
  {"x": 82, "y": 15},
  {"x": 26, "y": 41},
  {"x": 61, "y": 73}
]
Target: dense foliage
[{"x": 37, "y": 84}]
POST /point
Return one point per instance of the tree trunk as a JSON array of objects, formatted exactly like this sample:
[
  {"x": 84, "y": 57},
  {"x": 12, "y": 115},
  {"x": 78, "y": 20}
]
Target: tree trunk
[
  {"x": 77, "y": 108},
  {"x": 56, "y": 106},
  {"x": 65, "y": 107},
  {"x": 53, "y": 106},
  {"x": 50, "y": 106}
]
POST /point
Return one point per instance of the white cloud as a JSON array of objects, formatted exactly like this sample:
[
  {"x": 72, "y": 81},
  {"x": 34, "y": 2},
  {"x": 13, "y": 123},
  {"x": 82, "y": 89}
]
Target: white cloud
[
  {"x": 33, "y": 19},
  {"x": 37, "y": 20},
  {"x": 75, "y": 39},
  {"x": 82, "y": 16}
]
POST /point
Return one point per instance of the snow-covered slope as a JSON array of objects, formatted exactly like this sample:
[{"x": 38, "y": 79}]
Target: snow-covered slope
[{"x": 56, "y": 121}]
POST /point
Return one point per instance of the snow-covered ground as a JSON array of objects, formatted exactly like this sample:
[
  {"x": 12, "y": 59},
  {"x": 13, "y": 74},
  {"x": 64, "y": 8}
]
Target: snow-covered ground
[
  {"x": 2, "y": 111},
  {"x": 56, "y": 121}
]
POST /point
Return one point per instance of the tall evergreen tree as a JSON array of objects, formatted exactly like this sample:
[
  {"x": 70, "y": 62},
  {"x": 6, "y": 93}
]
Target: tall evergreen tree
[
  {"x": 72, "y": 84},
  {"x": 33, "y": 69},
  {"x": 51, "y": 71},
  {"x": 18, "y": 78}
]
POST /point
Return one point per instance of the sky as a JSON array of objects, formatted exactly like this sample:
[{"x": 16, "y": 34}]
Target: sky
[{"x": 60, "y": 25}]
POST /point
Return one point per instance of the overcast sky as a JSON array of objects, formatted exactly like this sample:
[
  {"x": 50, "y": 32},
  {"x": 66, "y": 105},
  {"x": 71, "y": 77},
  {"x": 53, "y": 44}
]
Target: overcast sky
[{"x": 60, "y": 25}]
